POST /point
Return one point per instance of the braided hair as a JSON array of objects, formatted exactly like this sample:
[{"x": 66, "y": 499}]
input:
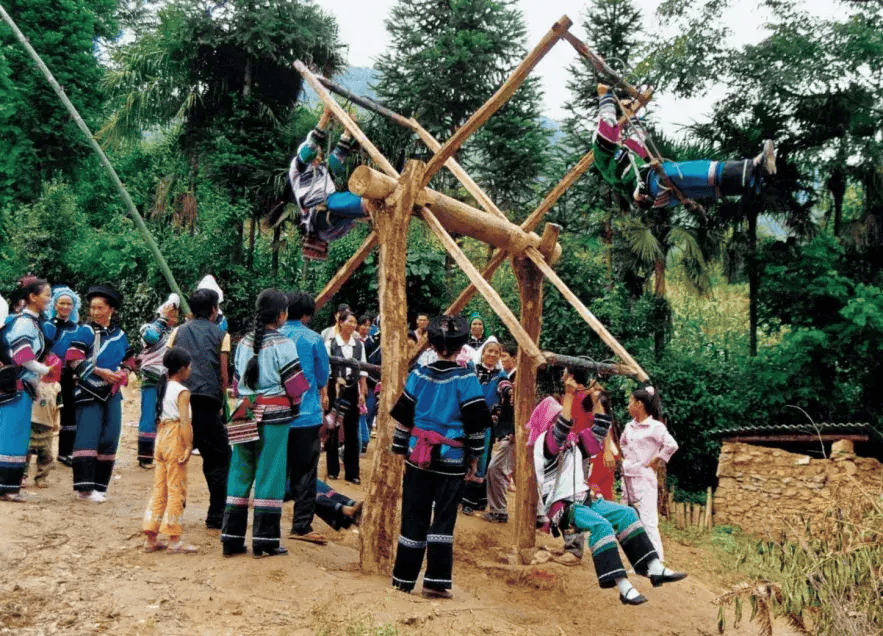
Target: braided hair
[{"x": 270, "y": 303}]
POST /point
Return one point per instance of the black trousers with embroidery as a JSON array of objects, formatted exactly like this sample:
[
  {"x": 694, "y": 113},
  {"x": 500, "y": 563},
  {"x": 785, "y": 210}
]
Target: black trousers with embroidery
[{"x": 427, "y": 529}]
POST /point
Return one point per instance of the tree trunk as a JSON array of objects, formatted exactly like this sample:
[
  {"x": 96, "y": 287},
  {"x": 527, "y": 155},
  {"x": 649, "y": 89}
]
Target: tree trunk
[
  {"x": 252, "y": 232},
  {"x": 380, "y": 524},
  {"x": 530, "y": 289},
  {"x": 277, "y": 244},
  {"x": 753, "y": 279},
  {"x": 837, "y": 186},
  {"x": 659, "y": 290}
]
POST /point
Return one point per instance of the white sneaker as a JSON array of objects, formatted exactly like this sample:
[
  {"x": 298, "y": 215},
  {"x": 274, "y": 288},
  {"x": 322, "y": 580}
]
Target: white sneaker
[{"x": 98, "y": 497}]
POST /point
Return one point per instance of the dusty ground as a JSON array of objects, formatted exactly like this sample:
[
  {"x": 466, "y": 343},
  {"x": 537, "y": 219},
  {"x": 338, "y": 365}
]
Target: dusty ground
[{"x": 72, "y": 567}]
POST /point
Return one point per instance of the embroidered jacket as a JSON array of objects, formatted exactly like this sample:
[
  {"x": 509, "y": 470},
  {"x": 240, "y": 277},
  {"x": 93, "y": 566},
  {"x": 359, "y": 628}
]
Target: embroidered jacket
[
  {"x": 22, "y": 341},
  {"x": 314, "y": 363},
  {"x": 279, "y": 374},
  {"x": 444, "y": 399},
  {"x": 154, "y": 342},
  {"x": 113, "y": 353}
]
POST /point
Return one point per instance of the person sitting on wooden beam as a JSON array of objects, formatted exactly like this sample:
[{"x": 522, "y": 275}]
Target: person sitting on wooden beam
[
  {"x": 625, "y": 165},
  {"x": 325, "y": 214}
]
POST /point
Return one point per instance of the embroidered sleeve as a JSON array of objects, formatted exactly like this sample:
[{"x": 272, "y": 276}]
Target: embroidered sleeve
[
  {"x": 341, "y": 152},
  {"x": 601, "y": 426},
  {"x": 310, "y": 148},
  {"x": 128, "y": 362},
  {"x": 557, "y": 436},
  {"x": 294, "y": 380},
  {"x": 403, "y": 414},
  {"x": 152, "y": 332},
  {"x": 81, "y": 351},
  {"x": 505, "y": 390}
]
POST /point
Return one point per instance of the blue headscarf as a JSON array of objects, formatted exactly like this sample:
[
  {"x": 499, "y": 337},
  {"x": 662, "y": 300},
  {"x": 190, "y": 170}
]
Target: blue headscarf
[{"x": 57, "y": 293}]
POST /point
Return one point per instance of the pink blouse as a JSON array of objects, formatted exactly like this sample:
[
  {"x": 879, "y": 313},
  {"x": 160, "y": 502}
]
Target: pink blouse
[{"x": 642, "y": 442}]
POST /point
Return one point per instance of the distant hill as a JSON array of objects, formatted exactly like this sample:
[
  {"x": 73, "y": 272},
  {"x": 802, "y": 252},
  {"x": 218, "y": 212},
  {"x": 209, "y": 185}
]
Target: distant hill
[{"x": 359, "y": 80}]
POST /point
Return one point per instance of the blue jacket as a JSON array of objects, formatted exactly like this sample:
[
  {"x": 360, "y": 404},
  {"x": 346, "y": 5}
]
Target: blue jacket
[{"x": 315, "y": 367}]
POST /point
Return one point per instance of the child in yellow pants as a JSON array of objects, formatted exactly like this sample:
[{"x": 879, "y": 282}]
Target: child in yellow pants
[{"x": 174, "y": 443}]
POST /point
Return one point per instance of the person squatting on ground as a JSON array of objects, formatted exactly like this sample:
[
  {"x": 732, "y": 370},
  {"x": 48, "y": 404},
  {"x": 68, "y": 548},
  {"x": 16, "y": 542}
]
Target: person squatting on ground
[
  {"x": 497, "y": 391},
  {"x": 304, "y": 447},
  {"x": 347, "y": 392},
  {"x": 558, "y": 454},
  {"x": 645, "y": 443},
  {"x": 60, "y": 330},
  {"x": 174, "y": 443},
  {"x": 337, "y": 510},
  {"x": 270, "y": 383},
  {"x": 209, "y": 348},
  {"x": 441, "y": 419},
  {"x": 624, "y": 165},
  {"x": 22, "y": 345},
  {"x": 103, "y": 360},
  {"x": 326, "y": 215},
  {"x": 154, "y": 343}
]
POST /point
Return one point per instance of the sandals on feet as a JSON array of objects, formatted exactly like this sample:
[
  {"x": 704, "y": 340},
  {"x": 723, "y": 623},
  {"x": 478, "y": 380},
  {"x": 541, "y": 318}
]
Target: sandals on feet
[
  {"x": 155, "y": 547},
  {"x": 310, "y": 537}
]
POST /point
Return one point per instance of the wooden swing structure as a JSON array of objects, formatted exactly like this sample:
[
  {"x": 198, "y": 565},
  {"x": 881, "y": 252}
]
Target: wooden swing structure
[{"x": 396, "y": 197}]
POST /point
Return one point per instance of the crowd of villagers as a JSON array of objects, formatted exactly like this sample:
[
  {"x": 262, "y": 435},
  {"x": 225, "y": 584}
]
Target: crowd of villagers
[{"x": 261, "y": 433}]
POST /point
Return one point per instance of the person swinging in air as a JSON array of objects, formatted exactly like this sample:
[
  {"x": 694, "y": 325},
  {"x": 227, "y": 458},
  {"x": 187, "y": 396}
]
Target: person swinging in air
[
  {"x": 625, "y": 164},
  {"x": 325, "y": 214}
]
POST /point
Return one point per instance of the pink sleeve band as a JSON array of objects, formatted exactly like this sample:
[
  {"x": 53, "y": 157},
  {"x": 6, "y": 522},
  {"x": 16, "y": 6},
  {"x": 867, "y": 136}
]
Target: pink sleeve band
[
  {"x": 636, "y": 147},
  {"x": 23, "y": 355},
  {"x": 74, "y": 355}
]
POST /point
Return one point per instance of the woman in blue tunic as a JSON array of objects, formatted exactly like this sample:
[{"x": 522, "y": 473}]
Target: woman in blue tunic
[
  {"x": 60, "y": 330},
  {"x": 103, "y": 361},
  {"x": 22, "y": 344},
  {"x": 270, "y": 382}
]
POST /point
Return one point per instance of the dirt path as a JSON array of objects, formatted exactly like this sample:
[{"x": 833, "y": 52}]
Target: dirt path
[{"x": 73, "y": 567}]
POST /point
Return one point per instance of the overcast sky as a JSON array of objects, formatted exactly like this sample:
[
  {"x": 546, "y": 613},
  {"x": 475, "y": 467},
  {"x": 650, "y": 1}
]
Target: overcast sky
[{"x": 362, "y": 28}]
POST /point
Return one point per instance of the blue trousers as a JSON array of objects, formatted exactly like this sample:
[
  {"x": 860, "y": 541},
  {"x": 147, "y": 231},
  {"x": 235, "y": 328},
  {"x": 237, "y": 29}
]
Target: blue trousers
[
  {"x": 704, "y": 179},
  {"x": 608, "y": 522},
  {"x": 95, "y": 447},
  {"x": 147, "y": 424},
  {"x": 15, "y": 435}
]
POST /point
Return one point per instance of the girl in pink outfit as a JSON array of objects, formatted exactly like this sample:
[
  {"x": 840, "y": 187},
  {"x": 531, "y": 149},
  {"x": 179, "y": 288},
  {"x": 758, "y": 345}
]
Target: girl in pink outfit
[{"x": 645, "y": 442}]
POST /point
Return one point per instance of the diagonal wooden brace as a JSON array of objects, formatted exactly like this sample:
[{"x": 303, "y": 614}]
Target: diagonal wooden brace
[
  {"x": 492, "y": 297},
  {"x": 538, "y": 260},
  {"x": 496, "y": 101},
  {"x": 344, "y": 273}
]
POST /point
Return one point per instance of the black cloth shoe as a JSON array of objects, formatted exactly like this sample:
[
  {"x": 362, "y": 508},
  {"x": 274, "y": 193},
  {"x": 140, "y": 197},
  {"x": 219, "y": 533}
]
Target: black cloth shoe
[
  {"x": 232, "y": 551},
  {"x": 429, "y": 592},
  {"x": 667, "y": 576},
  {"x": 213, "y": 525},
  {"x": 262, "y": 552},
  {"x": 640, "y": 599}
]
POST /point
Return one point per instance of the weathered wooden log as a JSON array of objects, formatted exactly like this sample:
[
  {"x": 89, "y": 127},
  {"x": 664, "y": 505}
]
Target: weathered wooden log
[
  {"x": 601, "y": 368},
  {"x": 455, "y": 216},
  {"x": 365, "y": 102},
  {"x": 380, "y": 523},
  {"x": 530, "y": 290},
  {"x": 549, "y": 240}
]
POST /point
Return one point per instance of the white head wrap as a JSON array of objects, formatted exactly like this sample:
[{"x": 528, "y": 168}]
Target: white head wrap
[
  {"x": 479, "y": 353},
  {"x": 209, "y": 282}
]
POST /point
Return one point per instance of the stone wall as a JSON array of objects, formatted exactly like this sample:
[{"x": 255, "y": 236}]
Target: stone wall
[{"x": 767, "y": 490}]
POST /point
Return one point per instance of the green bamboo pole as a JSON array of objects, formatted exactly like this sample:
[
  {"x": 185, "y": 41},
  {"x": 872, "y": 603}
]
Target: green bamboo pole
[{"x": 130, "y": 205}]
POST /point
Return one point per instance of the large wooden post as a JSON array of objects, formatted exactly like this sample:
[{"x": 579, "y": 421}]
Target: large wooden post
[
  {"x": 530, "y": 289},
  {"x": 380, "y": 523}
]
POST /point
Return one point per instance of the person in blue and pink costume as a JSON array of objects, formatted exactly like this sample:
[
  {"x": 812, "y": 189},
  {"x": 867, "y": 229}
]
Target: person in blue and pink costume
[
  {"x": 22, "y": 346},
  {"x": 103, "y": 361},
  {"x": 60, "y": 330}
]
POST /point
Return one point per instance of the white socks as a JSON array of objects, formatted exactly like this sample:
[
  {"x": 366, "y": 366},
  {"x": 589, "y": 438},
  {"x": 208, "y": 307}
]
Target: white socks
[
  {"x": 626, "y": 589},
  {"x": 656, "y": 568}
]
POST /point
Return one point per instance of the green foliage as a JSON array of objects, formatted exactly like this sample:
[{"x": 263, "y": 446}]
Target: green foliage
[{"x": 38, "y": 138}]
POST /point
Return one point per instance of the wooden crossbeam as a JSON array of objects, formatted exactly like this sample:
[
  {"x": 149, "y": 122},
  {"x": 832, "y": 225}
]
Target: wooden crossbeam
[
  {"x": 538, "y": 260},
  {"x": 451, "y": 164},
  {"x": 498, "y": 99},
  {"x": 343, "y": 117},
  {"x": 343, "y": 274},
  {"x": 493, "y": 298}
]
